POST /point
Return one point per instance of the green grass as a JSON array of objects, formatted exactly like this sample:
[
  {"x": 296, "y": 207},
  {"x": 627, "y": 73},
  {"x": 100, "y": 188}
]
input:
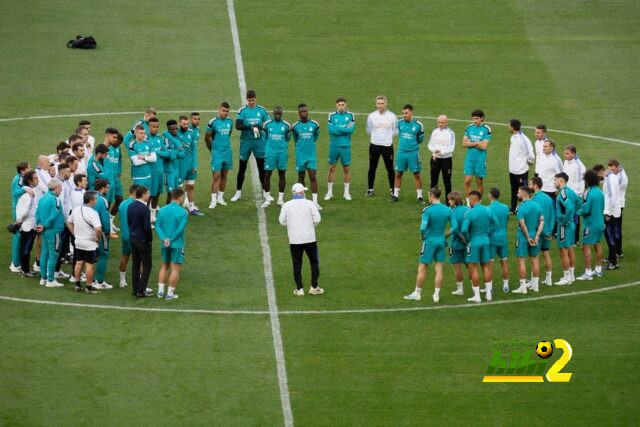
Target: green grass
[{"x": 570, "y": 65}]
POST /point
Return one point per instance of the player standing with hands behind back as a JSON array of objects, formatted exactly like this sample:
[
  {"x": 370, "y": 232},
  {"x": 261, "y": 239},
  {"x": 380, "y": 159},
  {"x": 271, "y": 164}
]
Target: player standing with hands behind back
[{"x": 477, "y": 137}]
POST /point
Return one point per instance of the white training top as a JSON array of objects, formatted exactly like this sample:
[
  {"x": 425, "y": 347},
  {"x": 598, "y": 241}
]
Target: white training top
[
  {"x": 443, "y": 140},
  {"x": 575, "y": 169},
  {"x": 623, "y": 180},
  {"x": 539, "y": 153},
  {"x": 520, "y": 154},
  {"x": 611, "y": 189},
  {"x": 26, "y": 211},
  {"x": 85, "y": 220},
  {"x": 301, "y": 217},
  {"x": 77, "y": 197},
  {"x": 549, "y": 166},
  {"x": 382, "y": 127}
]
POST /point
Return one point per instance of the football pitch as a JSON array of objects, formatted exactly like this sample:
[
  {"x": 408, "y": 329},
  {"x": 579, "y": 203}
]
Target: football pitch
[{"x": 238, "y": 348}]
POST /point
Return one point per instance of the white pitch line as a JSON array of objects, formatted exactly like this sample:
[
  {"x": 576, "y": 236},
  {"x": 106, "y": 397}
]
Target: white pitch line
[
  {"x": 123, "y": 113},
  {"x": 276, "y": 331},
  {"x": 320, "y": 312}
]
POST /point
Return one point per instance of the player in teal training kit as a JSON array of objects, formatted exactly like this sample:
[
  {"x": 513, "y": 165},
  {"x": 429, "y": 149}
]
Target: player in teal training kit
[
  {"x": 411, "y": 135},
  {"x": 50, "y": 223},
  {"x": 172, "y": 159},
  {"x": 592, "y": 212},
  {"x": 124, "y": 235},
  {"x": 170, "y": 226},
  {"x": 249, "y": 122},
  {"x": 549, "y": 213},
  {"x": 95, "y": 166},
  {"x": 17, "y": 190},
  {"x": 277, "y": 134},
  {"x": 187, "y": 163},
  {"x": 530, "y": 226},
  {"x": 567, "y": 204},
  {"x": 457, "y": 242},
  {"x": 479, "y": 222},
  {"x": 156, "y": 142},
  {"x": 141, "y": 156},
  {"x": 341, "y": 125},
  {"x": 218, "y": 140},
  {"x": 476, "y": 139},
  {"x": 432, "y": 232},
  {"x": 113, "y": 170},
  {"x": 190, "y": 183},
  {"x": 498, "y": 239},
  {"x": 102, "y": 207},
  {"x": 305, "y": 136},
  {"x": 144, "y": 122}
]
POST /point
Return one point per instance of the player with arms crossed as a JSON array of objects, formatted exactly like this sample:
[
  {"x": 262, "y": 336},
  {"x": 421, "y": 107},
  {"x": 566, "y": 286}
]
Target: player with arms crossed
[
  {"x": 277, "y": 134},
  {"x": 432, "y": 233},
  {"x": 341, "y": 125},
  {"x": 305, "y": 136},
  {"x": 141, "y": 156},
  {"x": 218, "y": 140},
  {"x": 477, "y": 137},
  {"x": 411, "y": 135},
  {"x": 530, "y": 226},
  {"x": 156, "y": 141}
]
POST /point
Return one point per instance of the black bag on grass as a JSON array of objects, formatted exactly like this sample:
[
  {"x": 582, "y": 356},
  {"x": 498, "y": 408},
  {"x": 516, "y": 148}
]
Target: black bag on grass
[{"x": 81, "y": 42}]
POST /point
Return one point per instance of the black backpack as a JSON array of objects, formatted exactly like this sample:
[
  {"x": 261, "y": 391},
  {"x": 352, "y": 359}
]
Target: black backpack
[{"x": 81, "y": 42}]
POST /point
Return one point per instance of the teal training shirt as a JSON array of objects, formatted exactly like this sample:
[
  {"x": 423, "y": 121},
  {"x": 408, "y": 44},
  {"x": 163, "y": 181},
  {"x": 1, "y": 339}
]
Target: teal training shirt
[
  {"x": 17, "y": 190},
  {"x": 140, "y": 148},
  {"x": 501, "y": 212},
  {"x": 175, "y": 152},
  {"x": 434, "y": 223},
  {"x": 102, "y": 207},
  {"x": 592, "y": 210},
  {"x": 157, "y": 146},
  {"x": 341, "y": 126},
  {"x": 477, "y": 134},
  {"x": 195, "y": 143},
  {"x": 124, "y": 222},
  {"x": 113, "y": 163},
  {"x": 249, "y": 116},
  {"x": 548, "y": 212},
  {"x": 95, "y": 170},
  {"x": 49, "y": 214},
  {"x": 566, "y": 206},
  {"x": 411, "y": 135},
  {"x": 171, "y": 222},
  {"x": 458, "y": 214},
  {"x": 530, "y": 212},
  {"x": 220, "y": 130},
  {"x": 130, "y": 136},
  {"x": 277, "y": 134},
  {"x": 478, "y": 223},
  {"x": 305, "y": 136}
]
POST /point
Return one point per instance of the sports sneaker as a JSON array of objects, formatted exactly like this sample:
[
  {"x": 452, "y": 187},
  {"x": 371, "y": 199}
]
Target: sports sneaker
[
  {"x": 535, "y": 288},
  {"x": 298, "y": 292},
  {"x": 489, "y": 295},
  {"x": 28, "y": 274},
  {"x": 35, "y": 267},
  {"x": 421, "y": 200},
  {"x": 458, "y": 292},
  {"x": 61, "y": 275},
  {"x": 222, "y": 202},
  {"x": 483, "y": 290},
  {"x": 212, "y": 205},
  {"x": 562, "y": 282},
  {"x": 436, "y": 297},
  {"x": 316, "y": 291},
  {"x": 547, "y": 281},
  {"x": 369, "y": 193},
  {"x": 102, "y": 285},
  {"x": 43, "y": 282},
  {"x": 328, "y": 196},
  {"x": 280, "y": 202},
  {"x": 612, "y": 266},
  {"x": 505, "y": 289},
  {"x": 196, "y": 212},
  {"x": 318, "y": 206},
  {"x": 270, "y": 197},
  {"x": 14, "y": 269},
  {"x": 413, "y": 296},
  {"x": 171, "y": 297},
  {"x": 393, "y": 199},
  {"x": 236, "y": 196},
  {"x": 475, "y": 299},
  {"x": 91, "y": 291},
  {"x": 346, "y": 196},
  {"x": 521, "y": 290},
  {"x": 585, "y": 276},
  {"x": 54, "y": 284},
  {"x": 123, "y": 284},
  {"x": 160, "y": 294},
  {"x": 77, "y": 288},
  {"x": 266, "y": 203},
  {"x": 597, "y": 273}
]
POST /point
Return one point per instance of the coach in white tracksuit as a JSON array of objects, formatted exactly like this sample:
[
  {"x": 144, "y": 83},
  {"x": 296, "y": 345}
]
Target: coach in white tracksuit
[
  {"x": 521, "y": 155},
  {"x": 301, "y": 216},
  {"x": 550, "y": 164},
  {"x": 382, "y": 125}
]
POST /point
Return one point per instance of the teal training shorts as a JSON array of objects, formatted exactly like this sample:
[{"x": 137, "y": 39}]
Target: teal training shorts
[
  {"x": 173, "y": 255},
  {"x": 248, "y": 146},
  {"x": 476, "y": 168},
  {"x": 590, "y": 237},
  {"x": 524, "y": 249},
  {"x": 478, "y": 253},
  {"x": 221, "y": 161},
  {"x": 545, "y": 244},
  {"x": 501, "y": 251},
  {"x": 408, "y": 160},
  {"x": 157, "y": 183},
  {"x": 304, "y": 162},
  {"x": 457, "y": 256},
  {"x": 191, "y": 175},
  {"x": 145, "y": 182},
  {"x": 339, "y": 153},
  {"x": 431, "y": 252},
  {"x": 566, "y": 235},
  {"x": 275, "y": 160},
  {"x": 126, "y": 247},
  {"x": 171, "y": 181}
]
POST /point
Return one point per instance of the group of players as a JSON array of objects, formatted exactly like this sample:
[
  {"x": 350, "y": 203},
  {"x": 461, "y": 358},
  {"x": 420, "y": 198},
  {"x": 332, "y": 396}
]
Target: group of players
[{"x": 164, "y": 162}]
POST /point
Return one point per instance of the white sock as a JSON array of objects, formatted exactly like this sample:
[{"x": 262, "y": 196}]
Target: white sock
[
  {"x": 417, "y": 290},
  {"x": 488, "y": 286},
  {"x": 238, "y": 193},
  {"x": 123, "y": 276},
  {"x": 160, "y": 288},
  {"x": 437, "y": 292},
  {"x": 476, "y": 291},
  {"x": 214, "y": 197},
  {"x": 598, "y": 269},
  {"x": 572, "y": 271},
  {"x": 505, "y": 282},
  {"x": 266, "y": 194},
  {"x": 534, "y": 282},
  {"x": 523, "y": 283},
  {"x": 567, "y": 274},
  {"x": 460, "y": 285},
  {"x": 220, "y": 195},
  {"x": 396, "y": 192},
  {"x": 329, "y": 187},
  {"x": 419, "y": 193},
  {"x": 171, "y": 290},
  {"x": 588, "y": 272},
  {"x": 192, "y": 206},
  {"x": 346, "y": 187},
  {"x": 549, "y": 275},
  {"x": 280, "y": 196},
  {"x": 314, "y": 197}
]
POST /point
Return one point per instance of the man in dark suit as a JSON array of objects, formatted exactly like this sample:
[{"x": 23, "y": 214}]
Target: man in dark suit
[{"x": 139, "y": 221}]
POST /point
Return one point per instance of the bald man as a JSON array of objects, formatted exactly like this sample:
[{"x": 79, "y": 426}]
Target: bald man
[
  {"x": 42, "y": 169},
  {"x": 441, "y": 144}
]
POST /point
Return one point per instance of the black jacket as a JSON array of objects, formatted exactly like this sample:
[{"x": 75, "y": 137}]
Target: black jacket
[{"x": 139, "y": 221}]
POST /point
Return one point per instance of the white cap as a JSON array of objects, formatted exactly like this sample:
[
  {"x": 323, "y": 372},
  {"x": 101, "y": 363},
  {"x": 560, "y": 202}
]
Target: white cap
[{"x": 298, "y": 188}]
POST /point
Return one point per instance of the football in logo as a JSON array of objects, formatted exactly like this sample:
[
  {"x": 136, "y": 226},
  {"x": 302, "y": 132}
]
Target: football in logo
[{"x": 544, "y": 349}]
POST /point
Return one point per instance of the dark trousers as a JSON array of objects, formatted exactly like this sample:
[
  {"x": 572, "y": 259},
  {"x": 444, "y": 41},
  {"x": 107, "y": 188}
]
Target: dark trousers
[
  {"x": 375, "y": 151},
  {"x": 517, "y": 181},
  {"x": 576, "y": 220},
  {"x": 27, "y": 238},
  {"x": 620, "y": 231},
  {"x": 64, "y": 246},
  {"x": 311, "y": 250},
  {"x": 612, "y": 235},
  {"x": 141, "y": 254},
  {"x": 445, "y": 166},
  {"x": 242, "y": 169}
]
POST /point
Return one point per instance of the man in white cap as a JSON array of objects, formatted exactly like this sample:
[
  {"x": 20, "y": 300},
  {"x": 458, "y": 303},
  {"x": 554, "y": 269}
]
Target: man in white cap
[{"x": 301, "y": 216}]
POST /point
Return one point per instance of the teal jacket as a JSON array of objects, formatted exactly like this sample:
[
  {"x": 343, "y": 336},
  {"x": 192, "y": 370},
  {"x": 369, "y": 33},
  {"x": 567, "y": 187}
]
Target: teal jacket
[
  {"x": 341, "y": 126},
  {"x": 49, "y": 214},
  {"x": 171, "y": 222}
]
